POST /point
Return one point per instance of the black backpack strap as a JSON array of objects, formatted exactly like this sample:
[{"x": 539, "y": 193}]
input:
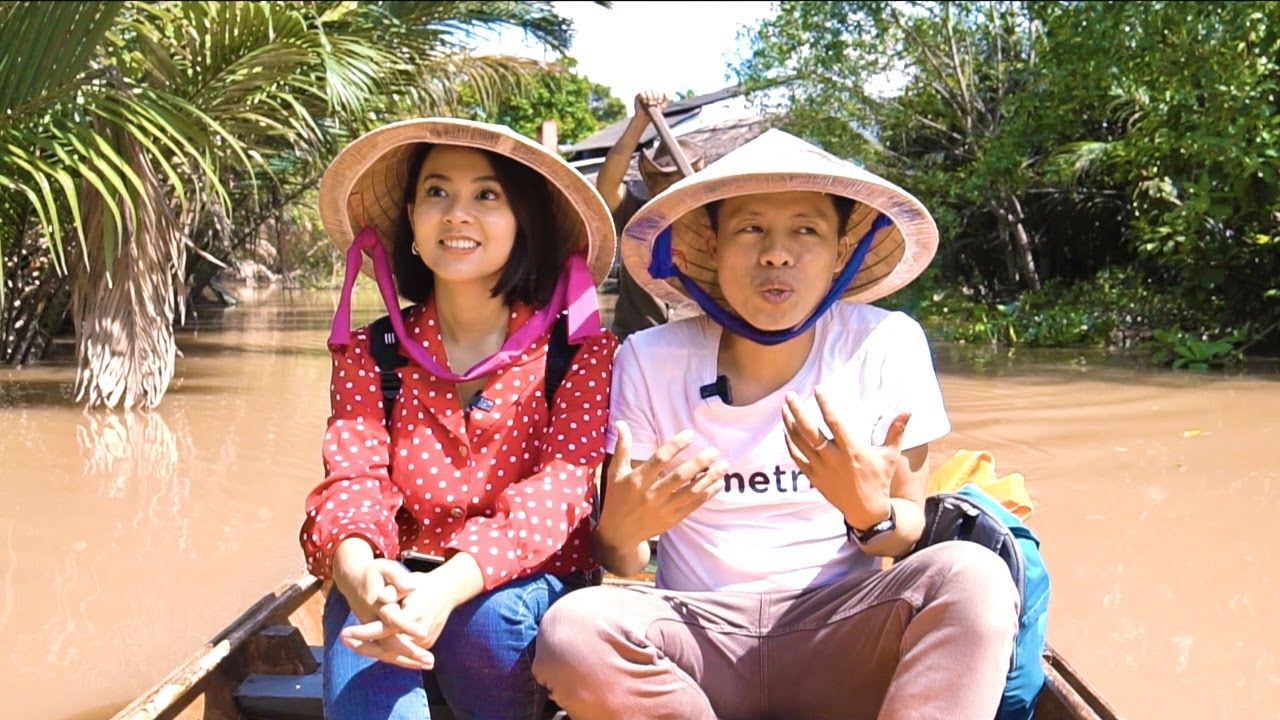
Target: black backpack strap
[
  {"x": 559, "y": 357},
  {"x": 386, "y": 355}
]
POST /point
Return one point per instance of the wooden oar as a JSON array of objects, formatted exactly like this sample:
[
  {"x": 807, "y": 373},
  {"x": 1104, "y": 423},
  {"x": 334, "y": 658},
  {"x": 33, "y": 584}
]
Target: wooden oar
[{"x": 673, "y": 147}]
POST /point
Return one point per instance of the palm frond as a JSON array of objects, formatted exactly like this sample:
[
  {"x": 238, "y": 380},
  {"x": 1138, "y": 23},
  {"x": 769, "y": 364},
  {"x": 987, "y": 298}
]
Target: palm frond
[
  {"x": 357, "y": 75},
  {"x": 1078, "y": 160},
  {"x": 121, "y": 113},
  {"x": 492, "y": 78},
  {"x": 67, "y": 153},
  {"x": 460, "y": 20},
  {"x": 45, "y": 48}
]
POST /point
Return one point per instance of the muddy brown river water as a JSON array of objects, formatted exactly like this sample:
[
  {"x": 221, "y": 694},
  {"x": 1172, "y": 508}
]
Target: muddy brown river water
[{"x": 128, "y": 540}]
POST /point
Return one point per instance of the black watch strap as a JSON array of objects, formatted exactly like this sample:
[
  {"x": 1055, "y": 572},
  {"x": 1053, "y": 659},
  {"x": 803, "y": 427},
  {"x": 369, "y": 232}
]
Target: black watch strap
[{"x": 862, "y": 537}]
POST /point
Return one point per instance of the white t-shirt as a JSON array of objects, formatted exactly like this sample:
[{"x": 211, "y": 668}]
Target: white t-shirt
[{"x": 769, "y": 528}]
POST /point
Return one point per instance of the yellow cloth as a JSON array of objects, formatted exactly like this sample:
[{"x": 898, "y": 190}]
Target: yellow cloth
[{"x": 979, "y": 468}]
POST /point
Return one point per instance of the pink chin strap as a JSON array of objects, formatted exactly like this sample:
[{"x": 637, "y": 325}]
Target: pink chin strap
[{"x": 575, "y": 292}]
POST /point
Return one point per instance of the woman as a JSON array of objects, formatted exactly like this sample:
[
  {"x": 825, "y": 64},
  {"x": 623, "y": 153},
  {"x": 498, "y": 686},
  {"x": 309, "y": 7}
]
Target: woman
[{"x": 493, "y": 238}]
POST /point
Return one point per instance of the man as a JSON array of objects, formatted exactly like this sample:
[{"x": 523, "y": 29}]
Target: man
[
  {"x": 636, "y": 309},
  {"x": 779, "y": 447}
]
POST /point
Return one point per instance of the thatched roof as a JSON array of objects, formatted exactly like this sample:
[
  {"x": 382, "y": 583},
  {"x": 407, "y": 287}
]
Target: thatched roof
[{"x": 722, "y": 138}]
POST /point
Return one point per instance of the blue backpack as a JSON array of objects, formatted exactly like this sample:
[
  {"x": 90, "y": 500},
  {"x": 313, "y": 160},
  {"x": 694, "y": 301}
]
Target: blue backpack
[{"x": 971, "y": 514}]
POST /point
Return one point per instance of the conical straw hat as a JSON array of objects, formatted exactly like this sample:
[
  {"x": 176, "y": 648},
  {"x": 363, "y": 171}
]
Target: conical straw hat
[
  {"x": 365, "y": 183},
  {"x": 774, "y": 162}
]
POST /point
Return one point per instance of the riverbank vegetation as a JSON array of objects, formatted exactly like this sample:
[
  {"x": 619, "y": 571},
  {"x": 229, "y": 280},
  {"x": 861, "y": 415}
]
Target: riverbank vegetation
[
  {"x": 143, "y": 145},
  {"x": 1103, "y": 174}
]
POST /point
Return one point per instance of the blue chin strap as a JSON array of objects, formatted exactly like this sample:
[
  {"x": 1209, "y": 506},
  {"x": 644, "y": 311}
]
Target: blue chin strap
[{"x": 661, "y": 267}]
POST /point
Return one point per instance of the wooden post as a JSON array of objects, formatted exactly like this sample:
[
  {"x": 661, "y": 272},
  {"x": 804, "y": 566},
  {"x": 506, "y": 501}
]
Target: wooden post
[
  {"x": 279, "y": 650},
  {"x": 548, "y": 135},
  {"x": 673, "y": 147}
]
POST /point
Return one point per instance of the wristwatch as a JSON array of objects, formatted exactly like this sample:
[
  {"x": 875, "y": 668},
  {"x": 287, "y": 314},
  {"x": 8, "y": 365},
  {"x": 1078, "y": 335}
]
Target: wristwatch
[{"x": 862, "y": 537}]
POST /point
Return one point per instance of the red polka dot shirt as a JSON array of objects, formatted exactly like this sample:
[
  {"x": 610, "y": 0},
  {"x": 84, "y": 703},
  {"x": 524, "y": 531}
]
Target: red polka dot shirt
[{"x": 507, "y": 485}]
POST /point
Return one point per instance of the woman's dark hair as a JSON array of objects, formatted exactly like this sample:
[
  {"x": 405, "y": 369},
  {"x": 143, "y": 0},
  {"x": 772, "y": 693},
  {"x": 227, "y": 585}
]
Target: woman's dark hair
[
  {"x": 537, "y": 256},
  {"x": 842, "y": 205}
]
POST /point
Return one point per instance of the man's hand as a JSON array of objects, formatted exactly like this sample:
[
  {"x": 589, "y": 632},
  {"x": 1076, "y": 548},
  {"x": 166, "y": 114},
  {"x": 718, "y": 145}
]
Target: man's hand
[
  {"x": 646, "y": 99},
  {"x": 649, "y": 499},
  {"x": 612, "y": 172},
  {"x": 853, "y": 476}
]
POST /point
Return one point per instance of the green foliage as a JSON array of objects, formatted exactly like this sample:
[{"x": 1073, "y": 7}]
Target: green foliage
[
  {"x": 1114, "y": 308},
  {"x": 162, "y": 124},
  {"x": 1052, "y": 141},
  {"x": 233, "y": 102},
  {"x": 1192, "y": 90},
  {"x": 55, "y": 100},
  {"x": 1196, "y": 352},
  {"x": 557, "y": 92},
  {"x": 936, "y": 96},
  {"x": 1047, "y": 318}
]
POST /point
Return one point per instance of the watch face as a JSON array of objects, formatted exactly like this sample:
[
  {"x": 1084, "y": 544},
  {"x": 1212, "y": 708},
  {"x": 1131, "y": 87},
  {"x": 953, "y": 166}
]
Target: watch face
[
  {"x": 878, "y": 528},
  {"x": 885, "y": 525}
]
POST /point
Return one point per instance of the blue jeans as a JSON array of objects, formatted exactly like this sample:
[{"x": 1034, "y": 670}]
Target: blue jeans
[{"x": 483, "y": 660}]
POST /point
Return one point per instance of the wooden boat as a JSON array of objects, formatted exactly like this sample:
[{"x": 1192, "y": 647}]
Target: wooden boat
[{"x": 265, "y": 666}]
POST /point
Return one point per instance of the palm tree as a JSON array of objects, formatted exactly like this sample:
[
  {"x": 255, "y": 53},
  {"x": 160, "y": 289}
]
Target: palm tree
[{"x": 150, "y": 125}]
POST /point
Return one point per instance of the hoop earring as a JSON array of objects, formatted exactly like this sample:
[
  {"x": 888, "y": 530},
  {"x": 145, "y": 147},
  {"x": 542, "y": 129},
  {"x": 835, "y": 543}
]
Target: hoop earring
[{"x": 414, "y": 249}]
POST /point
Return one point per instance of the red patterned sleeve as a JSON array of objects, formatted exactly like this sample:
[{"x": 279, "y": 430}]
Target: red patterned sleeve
[
  {"x": 356, "y": 497},
  {"x": 533, "y": 517}
]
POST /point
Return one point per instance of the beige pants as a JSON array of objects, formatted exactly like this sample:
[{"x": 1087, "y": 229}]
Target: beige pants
[{"x": 931, "y": 637}]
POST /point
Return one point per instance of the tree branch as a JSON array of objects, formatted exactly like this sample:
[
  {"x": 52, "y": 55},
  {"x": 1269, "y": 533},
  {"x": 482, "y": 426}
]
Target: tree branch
[
  {"x": 933, "y": 61},
  {"x": 257, "y": 222},
  {"x": 965, "y": 95},
  {"x": 1257, "y": 338},
  {"x": 1001, "y": 84},
  {"x": 939, "y": 127}
]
